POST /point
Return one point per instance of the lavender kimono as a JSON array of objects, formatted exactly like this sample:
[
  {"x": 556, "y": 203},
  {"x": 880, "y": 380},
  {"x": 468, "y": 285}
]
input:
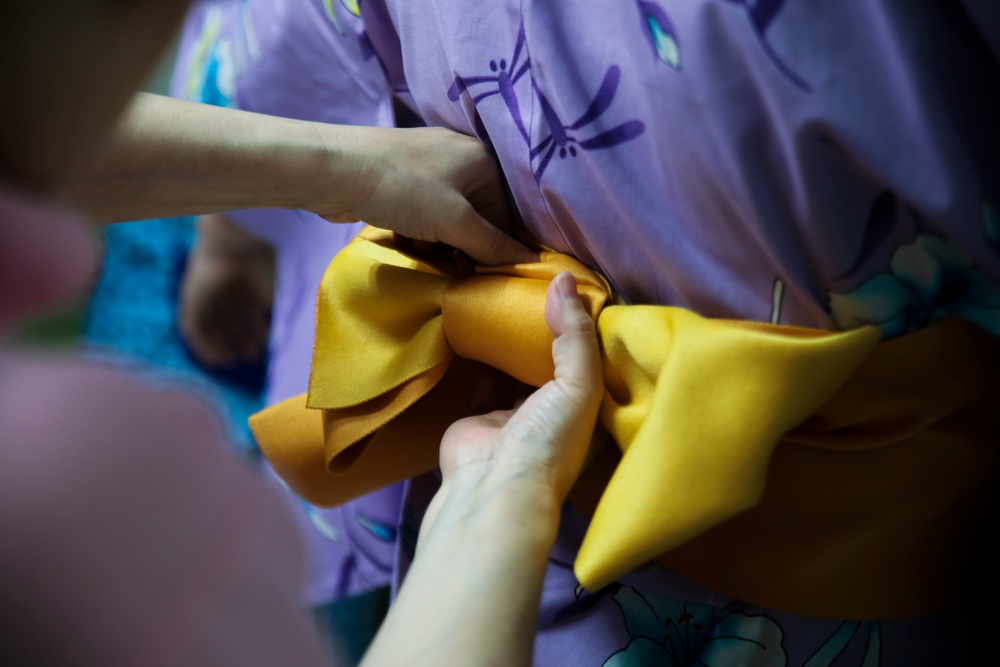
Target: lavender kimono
[
  {"x": 785, "y": 161},
  {"x": 299, "y": 60}
]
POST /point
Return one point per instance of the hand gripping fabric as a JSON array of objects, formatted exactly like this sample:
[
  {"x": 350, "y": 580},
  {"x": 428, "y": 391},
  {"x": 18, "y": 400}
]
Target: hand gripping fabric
[{"x": 695, "y": 405}]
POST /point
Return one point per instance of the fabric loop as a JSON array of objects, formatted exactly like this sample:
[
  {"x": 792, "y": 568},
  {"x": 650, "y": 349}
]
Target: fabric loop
[
  {"x": 696, "y": 405},
  {"x": 500, "y": 321},
  {"x": 395, "y": 336}
]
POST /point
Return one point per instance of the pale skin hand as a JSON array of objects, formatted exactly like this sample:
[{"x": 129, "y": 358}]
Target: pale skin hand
[
  {"x": 545, "y": 440},
  {"x": 169, "y": 158},
  {"x": 471, "y": 597},
  {"x": 412, "y": 180}
]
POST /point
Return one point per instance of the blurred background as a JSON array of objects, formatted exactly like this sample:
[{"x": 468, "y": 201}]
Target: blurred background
[{"x": 129, "y": 316}]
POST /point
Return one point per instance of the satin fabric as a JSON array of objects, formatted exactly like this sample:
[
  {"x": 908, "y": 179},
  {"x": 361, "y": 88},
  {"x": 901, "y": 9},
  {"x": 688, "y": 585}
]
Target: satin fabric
[{"x": 695, "y": 405}]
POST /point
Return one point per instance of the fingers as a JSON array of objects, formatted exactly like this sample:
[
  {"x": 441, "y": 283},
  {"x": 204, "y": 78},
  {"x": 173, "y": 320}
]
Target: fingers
[
  {"x": 495, "y": 210},
  {"x": 243, "y": 326},
  {"x": 575, "y": 351},
  {"x": 432, "y": 184},
  {"x": 544, "y": 440},
  {"x": 547, "y": 437},
  {"x": 483, "y": 241}
]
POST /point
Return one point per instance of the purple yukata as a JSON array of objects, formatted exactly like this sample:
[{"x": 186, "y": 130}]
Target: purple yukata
[
  {"x": 306, "y": 61},
  {"x": 817, "y": 164}
]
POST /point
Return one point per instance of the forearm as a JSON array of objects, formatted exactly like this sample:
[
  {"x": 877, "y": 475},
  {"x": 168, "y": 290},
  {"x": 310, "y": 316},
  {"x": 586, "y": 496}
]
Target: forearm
[
  {"x": 471, "y": 597},
  {"x": 168, "y": 157}
]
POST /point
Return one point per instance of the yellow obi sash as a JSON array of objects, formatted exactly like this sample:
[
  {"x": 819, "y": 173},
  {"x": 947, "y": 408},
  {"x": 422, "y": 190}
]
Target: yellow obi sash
[{"x": 697, "y": 408}]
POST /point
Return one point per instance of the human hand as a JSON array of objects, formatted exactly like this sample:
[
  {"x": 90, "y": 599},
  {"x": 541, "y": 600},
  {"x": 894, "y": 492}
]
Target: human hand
[
  {"x": 474, "y": 587},
  {"x": 428, "y": 184},
  {"x": 226, "y": 294},
  {"x": 539, "y": 447},
  {"x": 171, "y": 158}
]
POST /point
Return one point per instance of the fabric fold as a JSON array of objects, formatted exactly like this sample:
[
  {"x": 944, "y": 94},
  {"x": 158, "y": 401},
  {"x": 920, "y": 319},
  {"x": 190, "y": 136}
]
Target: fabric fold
[{"x": 695, "y": 405}]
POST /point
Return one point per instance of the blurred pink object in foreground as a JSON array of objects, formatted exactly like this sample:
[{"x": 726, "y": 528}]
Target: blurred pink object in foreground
[{"x": 130, "y": 535}]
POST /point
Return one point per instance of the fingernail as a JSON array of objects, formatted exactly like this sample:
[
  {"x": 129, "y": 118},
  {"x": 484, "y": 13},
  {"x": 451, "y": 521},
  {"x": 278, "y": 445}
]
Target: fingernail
[{"x": 566, "y": 285}]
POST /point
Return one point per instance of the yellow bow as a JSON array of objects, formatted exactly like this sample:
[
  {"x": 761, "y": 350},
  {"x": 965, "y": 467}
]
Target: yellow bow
[{"x": 695, "y": 405}]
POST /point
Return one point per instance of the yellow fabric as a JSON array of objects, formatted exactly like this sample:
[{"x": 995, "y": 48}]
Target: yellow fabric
[
  {"x": 875, "y": 505},
  {"x": 695, "y": 405}
]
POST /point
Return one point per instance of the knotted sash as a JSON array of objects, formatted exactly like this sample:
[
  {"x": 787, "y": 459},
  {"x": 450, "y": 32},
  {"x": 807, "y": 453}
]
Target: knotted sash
[{"x": 695, "y": 405}]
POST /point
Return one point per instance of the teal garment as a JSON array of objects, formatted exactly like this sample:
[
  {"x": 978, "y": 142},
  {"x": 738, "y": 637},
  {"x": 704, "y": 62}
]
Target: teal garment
[{"x": 131, "y": 319}]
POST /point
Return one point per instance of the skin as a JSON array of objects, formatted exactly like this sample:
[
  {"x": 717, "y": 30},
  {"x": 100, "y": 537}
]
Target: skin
[
  {"x": 169, "y": 158},
  {"x": 505, "y": 473},
  {"x": 78, "y": 131},
  {"x": 471, "y": 597}
]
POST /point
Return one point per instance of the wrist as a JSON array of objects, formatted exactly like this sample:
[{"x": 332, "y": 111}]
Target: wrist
[
  {"x": 475, "y": 585},
  {"x": 342, "y": 170},
  {"x": 477, "y": 502}
]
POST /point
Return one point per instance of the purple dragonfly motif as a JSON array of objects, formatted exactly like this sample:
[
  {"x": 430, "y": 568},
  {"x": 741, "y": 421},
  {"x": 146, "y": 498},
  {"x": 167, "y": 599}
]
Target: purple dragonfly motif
[
  {"x": 562, "y": 138},
  {"x": 762, "y": 14},
  {"x": 505, "y": 76}
]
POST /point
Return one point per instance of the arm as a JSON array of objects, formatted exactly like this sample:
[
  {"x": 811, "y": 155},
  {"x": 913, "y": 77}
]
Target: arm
[
  {"x": 472, "y": 595},
  {"x": 169, "y": 157}
]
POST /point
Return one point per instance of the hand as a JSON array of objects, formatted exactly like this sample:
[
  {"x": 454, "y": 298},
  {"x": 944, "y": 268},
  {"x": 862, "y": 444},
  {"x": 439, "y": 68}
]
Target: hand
[
  {"x": 474, "y": 588},
  {"x": 429, "y": 184},
  {"x": 226, "y": 294},
  {"x": 542, "y": 444},
  {"x": 170, "y": 158}
]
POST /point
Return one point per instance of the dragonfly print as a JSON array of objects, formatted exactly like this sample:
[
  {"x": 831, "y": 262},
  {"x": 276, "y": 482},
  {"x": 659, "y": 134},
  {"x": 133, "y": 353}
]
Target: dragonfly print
[
  {"x": 562, "y": 138},
  {"x": 501, "y": 82},
  {"x": 762, "y": 14}
]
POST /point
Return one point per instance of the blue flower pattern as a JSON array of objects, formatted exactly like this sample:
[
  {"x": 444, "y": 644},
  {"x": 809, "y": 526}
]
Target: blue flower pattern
[
  {"x": 380, "y": 530},
  {"x": 927, "y": 279},
  {"x": 320, "y": 522},
  {"x": 672, "y": 633},
  {"x": 660, "y": 33},
  {"x": 350, "y": 5}
]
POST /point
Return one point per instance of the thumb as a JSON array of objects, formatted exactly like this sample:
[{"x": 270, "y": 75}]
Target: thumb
[
  {"x": 575, "y": 350},
  {"x": 558, "y": 419}
]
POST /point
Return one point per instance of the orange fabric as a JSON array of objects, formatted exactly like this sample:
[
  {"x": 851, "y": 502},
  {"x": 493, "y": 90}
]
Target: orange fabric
[{"x": 696, "y": 407}]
